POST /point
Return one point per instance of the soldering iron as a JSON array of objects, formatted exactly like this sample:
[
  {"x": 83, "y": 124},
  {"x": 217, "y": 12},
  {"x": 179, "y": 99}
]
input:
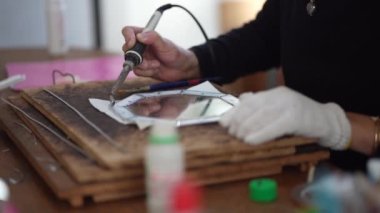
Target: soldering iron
[{"x": 134, "y": 56}]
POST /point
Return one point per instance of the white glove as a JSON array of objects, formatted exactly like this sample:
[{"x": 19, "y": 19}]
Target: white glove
[{"x": 267, "y": 115}]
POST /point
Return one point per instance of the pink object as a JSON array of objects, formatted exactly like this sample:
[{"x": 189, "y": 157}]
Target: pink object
[
  {"x": 40, "y": 74},
  {"x": 187, "y": 198},
  {"x": 9, "y": 208}
]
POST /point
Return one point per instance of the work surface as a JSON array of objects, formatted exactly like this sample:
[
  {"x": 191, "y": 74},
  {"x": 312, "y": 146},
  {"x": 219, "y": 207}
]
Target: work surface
[{"x": 32, "y": 195}]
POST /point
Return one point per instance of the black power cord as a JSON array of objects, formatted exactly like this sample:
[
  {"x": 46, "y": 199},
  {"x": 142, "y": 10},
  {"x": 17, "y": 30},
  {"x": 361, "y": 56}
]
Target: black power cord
[{"x": 168, "y": 6}]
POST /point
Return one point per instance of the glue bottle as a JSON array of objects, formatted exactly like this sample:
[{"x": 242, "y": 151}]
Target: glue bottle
[
  {"x": 56, "y": 33},
  {"x": 164, "y": 166}
]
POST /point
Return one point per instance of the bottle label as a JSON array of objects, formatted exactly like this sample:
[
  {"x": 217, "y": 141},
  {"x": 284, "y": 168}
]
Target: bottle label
[{"x": 160, "y": 189}]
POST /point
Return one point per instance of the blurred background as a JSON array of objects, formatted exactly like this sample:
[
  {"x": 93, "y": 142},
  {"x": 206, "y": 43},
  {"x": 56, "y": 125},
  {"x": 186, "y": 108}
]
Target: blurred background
[
  {"x": 97, "y": 24},
  {"x": 23, "y": 22}
]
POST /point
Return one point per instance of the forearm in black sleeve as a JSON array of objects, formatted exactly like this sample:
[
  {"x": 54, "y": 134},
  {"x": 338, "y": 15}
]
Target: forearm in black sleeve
[{"x": 253, "y": 47}]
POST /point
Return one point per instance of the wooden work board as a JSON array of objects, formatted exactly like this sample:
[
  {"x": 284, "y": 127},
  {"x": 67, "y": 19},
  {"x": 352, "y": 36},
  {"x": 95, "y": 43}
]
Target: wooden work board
[
  {"x": 212, "y": 156},
  {"x": 199, "y": 140},
  {"x": 53, "y": 171}
]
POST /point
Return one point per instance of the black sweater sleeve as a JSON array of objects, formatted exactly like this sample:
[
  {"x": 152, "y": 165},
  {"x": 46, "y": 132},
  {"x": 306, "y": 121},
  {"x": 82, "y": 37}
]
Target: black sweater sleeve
[{"x": 254, "y": 46}]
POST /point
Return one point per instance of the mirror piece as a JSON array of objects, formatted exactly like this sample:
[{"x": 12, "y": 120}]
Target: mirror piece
[{"x": 184, "y": 106}]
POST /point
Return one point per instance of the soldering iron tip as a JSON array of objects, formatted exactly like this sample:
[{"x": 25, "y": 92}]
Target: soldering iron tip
[{"x": 112, "y": 100}]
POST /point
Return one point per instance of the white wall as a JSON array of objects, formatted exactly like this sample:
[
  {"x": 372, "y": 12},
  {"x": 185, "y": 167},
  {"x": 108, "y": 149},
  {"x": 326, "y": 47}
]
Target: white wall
[
  {"x": 112, "y": 19},
  {"x": 80, "y": 23},
  {"x": 23, "y": 23},
  {"x": 175, "y": 24}
]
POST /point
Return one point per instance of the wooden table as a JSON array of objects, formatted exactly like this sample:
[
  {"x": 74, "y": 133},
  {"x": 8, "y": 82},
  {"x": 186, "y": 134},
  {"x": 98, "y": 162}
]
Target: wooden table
[{"x": 33, "y": 195}]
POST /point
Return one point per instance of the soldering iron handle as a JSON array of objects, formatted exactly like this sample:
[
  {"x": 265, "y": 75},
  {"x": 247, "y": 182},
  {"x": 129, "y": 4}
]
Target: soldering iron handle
[{"x": 135, "y": 53}]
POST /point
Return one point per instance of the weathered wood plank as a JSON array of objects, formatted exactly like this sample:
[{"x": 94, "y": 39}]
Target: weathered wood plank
[
  {"x": 212, "y": 155},
  {"x": 82, "y": 169},
  {"x": 207, "y": 139},
  {"x": 60, "y": 182}
]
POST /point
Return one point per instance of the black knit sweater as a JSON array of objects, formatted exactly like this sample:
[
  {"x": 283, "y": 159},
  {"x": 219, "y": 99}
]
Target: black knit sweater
[{"x": 332, "y": 56}]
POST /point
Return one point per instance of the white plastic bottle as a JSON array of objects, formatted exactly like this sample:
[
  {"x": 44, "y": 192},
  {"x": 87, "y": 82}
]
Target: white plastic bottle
[
  {"x": 165, "y": 167},
  {"x": 5, "y": 205},
  {"x": 56, "y": 33},
  {"x": 4, "y": 194}
]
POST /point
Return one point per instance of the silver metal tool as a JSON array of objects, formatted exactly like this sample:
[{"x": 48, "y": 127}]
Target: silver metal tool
[{"x": 133, "y": 57}]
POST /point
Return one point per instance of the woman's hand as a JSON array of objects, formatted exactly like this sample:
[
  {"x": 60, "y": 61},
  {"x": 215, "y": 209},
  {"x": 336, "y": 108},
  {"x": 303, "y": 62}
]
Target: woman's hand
[
  {"x": 270, "y": 114},
  {"x": 162, "y": 59}
]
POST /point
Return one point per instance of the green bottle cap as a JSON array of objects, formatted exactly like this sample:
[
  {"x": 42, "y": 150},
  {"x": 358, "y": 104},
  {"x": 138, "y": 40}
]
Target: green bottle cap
[{"x": 263, "y": 190}]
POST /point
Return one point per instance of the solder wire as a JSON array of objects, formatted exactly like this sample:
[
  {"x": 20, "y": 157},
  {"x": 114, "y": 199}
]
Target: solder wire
[
  {"x": 67, "y": 142},
  {"x": 100, "y": 131}
]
